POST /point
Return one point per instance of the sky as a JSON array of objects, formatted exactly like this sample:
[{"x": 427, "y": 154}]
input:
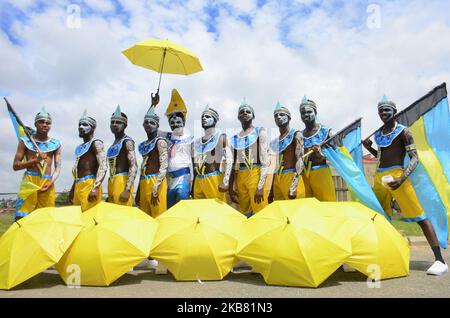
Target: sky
[{"x": 344, "y": 55}]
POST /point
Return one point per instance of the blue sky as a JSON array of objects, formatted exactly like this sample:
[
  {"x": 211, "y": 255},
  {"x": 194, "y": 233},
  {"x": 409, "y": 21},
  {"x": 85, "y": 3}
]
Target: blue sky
[{"x": 262, "y": 50}]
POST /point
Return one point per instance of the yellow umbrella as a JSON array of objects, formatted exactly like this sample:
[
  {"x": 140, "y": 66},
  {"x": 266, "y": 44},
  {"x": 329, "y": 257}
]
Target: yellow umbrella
[
  {"x": 197, "y": 239},
  {"x": 163, "y": 56},
  {"x": 378, "y": 249},
  {"x": 36, "y": 242},
  {"x": 114, "y": 239},
  {"x": 290, "y": 244}
]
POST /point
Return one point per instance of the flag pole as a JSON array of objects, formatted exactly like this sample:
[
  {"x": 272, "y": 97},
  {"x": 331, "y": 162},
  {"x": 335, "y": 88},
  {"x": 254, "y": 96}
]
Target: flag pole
[{"x": 328, "y": 140}]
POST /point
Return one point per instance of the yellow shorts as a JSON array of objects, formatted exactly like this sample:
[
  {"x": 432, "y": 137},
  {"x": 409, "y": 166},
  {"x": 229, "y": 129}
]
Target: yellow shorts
[
  {"x": 319, "y": 183},
  {"x": 405, "y": 195},
  {"x": 83, "y": 186},
  {"x": 207, "y": 186},
  {"x": 146, "y": 185},
  {"x": 37, "y": 199},
  {"x": 246, "y": 186},
  {"x": 116, "y": 185},
  {"x": 282, "y": 183}
]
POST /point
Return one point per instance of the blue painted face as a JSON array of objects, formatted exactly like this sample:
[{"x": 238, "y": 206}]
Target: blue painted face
[
  {"x": 117, "y": 126},
  {"x": 386, "y": 113},
  {"x": 84, "y": 128},
  {"x": 176, "y": 122},
  {"x": 308, "y": 115},
  {"x": 281, "y": 119},
  {"x": 207, "y": 121},
  {"x": 150, "y": 125}
]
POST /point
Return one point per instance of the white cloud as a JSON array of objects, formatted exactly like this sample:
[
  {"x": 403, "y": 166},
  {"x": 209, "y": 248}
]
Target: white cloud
[{"x": 334, "y": 59}]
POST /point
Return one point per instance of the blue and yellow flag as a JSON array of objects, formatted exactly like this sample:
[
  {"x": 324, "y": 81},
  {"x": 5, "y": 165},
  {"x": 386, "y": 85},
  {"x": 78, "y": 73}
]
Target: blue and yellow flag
[
  {"x": 344, "y": 151},
  {"x": 429, "y": 121},
  {"x": 17, "y": 123}
]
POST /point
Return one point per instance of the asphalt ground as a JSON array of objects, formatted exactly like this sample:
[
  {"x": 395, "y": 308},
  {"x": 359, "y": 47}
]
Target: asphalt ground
[{"x": 145, "y": 283}]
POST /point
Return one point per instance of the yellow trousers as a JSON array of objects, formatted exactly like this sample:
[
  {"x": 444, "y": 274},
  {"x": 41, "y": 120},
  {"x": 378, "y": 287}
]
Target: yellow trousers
[
  {"x": 83, "y": 186},
  {"x": 282, "y": 183},
  {"x": 37, "y": 199},
  {"x": 405, "y": 196},
  {"x": 116, "y": 185},
  {"x": 146, "y": 185},
  {"x": 207, "y": 186},
  {"x": 246, "y": 186},
  {"x": 319, "y": 183}
]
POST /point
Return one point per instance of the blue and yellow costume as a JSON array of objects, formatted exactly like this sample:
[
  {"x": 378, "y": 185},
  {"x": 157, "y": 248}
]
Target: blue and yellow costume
[
  {"x": 117, "y": 181},
  {"x": 282, "y": 179},
  {"x": 84, "y": 185},
  {"x": 248, "y": 176},
  {"x": 318, "y": 180},
  {"x": 148, "y": 181},
  {"x": 32, "y": 200},
  {"x": 405, "y": 195},
  {"x": 206, "y": 185}
]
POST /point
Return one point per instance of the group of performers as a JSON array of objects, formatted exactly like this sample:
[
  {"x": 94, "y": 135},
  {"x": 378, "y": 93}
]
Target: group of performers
[{"x": 175, "y": 166}]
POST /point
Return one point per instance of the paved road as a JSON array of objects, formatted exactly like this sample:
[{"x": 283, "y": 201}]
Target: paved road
[{"x": 340, "y": 284}]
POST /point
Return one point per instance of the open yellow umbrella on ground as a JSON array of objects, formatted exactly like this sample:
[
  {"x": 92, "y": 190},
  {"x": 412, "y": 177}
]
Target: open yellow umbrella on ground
[
  {"x": 114, "y": 239},
  {"x": 290, "y": 244},
  {"x": 378, "y": 249},
  {"x": 36, "y": 242},
  {"x": 163, "y": 56},
  {"x": 197, "y": 239}
]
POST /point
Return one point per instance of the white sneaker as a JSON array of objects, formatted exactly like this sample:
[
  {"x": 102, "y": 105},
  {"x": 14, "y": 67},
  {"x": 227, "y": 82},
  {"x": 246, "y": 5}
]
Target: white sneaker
[
  {"x": 348, "y": 269},
  {"x": 153, "y": 263},
  {"x": 438, "y": 268}
]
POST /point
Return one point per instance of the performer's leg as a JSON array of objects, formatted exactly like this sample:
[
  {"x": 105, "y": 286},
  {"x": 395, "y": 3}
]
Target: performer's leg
[
  {"x": 242, "y": 191},
  {"x": 383, "y": 195},
  {"x": 322, "y": 185},
  {"x": 253, "y": 186}
]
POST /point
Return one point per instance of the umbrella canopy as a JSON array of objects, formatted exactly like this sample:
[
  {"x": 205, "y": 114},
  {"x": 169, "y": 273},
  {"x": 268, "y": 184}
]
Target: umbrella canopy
[
  {"x": 197, "y": 239},
  {"x": 114, "y": 239},
  {"x": 36, "y": 242},
  {"x": 290, "y": 244},
  {"x": 378, "y": 249},
  {"x": 163, "y": 56}
]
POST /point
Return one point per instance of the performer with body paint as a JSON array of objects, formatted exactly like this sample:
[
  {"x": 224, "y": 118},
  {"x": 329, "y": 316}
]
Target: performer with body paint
[
  {"x": 394, "y": 142},
  {"x": 179, "y": 175},
  {"x": 250, "y": 164},
  {"x": 317, "y": 176},
  {"x": 90, "y": 166},
  {"x": 122, "y": 162},
  {"x": 209, "y": 151},
  {"x": 288, "y": 147},
  {"x": 38, "y": 166},
  {"x": 151, "y": 195}
]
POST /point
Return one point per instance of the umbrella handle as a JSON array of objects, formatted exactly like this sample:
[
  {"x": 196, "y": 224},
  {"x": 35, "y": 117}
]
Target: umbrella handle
[{"x": 161, "y": 69}]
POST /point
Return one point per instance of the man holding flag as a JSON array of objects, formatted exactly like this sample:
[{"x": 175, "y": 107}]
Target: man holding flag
[
  {"x": 36, "y": 152},
  {"x": 394, "y": 141},
  {"x": 317, "y": 174}
]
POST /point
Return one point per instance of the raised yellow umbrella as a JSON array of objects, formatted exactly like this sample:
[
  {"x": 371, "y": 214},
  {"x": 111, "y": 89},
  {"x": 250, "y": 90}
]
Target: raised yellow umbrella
[
  {"x": 290, "y": 244},
  {"x": 197, "y": 239},
  {"x": 378, "y": 249},
  {"x": 163, "y": 56},
  {"x": 114, "y": 239},
  {"x": 36, "y": 242}
]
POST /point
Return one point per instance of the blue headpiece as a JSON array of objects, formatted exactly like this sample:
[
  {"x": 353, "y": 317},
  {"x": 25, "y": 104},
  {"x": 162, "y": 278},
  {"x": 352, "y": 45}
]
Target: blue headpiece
[{"x": 42, "y": 115}]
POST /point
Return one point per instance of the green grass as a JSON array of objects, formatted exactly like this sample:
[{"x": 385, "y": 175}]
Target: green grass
[
  {"x": 6, "y": 219},
  {"x": 407, "y": 228}
]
